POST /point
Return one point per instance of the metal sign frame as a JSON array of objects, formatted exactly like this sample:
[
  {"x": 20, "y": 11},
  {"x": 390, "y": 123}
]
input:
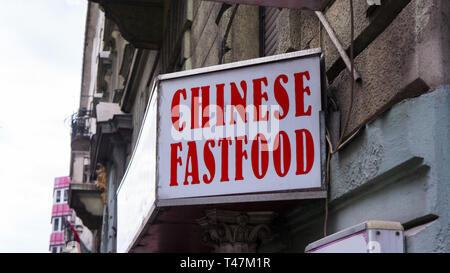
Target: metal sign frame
[{"x": 312, "y": 193}]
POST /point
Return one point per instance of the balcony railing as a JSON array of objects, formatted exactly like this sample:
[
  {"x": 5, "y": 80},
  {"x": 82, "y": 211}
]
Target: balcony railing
[
  {"x": 81, "y": 130},
  {"x": 80, "y": 123}
]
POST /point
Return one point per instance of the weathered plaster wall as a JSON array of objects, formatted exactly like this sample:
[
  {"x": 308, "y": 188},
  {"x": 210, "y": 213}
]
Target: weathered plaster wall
[
  {"x": 142, "y": 93},
  {"x": 401, "y": 51},
  {"x": 78, "y": 166},
  {"x": 395, "y": 170},
  {"x": 404, "y": 61}
]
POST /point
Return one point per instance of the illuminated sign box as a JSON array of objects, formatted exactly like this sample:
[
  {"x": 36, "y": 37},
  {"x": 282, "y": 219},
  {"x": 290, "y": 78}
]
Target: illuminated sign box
[
  {"x": 242, "y": 128},
  {"x": 245, "y": 132},
  {"x": 368, "y": 237}
]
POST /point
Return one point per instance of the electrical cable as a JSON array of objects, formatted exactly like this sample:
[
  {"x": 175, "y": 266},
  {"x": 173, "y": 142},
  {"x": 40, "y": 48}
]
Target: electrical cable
[
  {"x": 328, "y": 186},
  {"x": 340, "y": 143},
  {"x": 347, "y": 118}
]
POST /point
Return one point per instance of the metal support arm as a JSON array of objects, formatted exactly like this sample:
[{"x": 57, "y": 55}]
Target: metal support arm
[{"x": 337, "y": 44}]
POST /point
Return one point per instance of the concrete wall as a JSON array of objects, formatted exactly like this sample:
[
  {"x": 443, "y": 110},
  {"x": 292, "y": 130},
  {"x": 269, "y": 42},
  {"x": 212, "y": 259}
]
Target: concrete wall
[
  {"x": 401, "y": 51},
  {"x": 395, "y": 170},
  {"x": 142, "y": 94},
  {"x": 206, "y": 35},
  {"x": 405, "y": 41},
  {"x": 93, "y": 45},
  {"x": 78, "y": 166}
]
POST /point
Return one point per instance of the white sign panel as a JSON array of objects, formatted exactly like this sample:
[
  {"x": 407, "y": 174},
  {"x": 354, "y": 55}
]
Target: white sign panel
[
  {"x": 136, "y": 194},
  {"x": 249, "y": 127}
]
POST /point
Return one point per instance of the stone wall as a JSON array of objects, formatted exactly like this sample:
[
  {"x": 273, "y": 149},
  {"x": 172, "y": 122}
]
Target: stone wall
[
  {"x": 401, "y": 48},
  {"x": 208, "y": 30},
  {"x": 395, "y": 170}
]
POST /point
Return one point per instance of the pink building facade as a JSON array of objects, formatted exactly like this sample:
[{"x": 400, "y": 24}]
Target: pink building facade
[{"x": 60, "y": 212}]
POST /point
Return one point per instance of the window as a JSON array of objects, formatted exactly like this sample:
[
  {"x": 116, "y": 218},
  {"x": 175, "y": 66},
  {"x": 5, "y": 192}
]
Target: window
[
  {"x": 58, "y": 196},
  {"x": 56, "y": 224},
  {"x": 63, "y": 223},
  {"x": 85, "y": 173},
  {"x": 66, "y": 195},
  {"x": 86, "y": 169}
]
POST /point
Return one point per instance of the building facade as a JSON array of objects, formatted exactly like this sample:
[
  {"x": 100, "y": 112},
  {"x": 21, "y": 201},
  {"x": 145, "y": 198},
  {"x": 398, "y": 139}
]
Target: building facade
[
  {"x": 388, "y": 125},
  {"x": 62, "y": 238},
  {"x": 60, "y": 212}
]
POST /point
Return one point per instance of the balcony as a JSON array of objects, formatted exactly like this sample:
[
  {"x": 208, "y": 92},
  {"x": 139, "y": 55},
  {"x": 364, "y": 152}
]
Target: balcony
[
  {"x": 80, "y": 130},
  {"x": 113, "y": 133},
  {"x": 85, "y": 200}
]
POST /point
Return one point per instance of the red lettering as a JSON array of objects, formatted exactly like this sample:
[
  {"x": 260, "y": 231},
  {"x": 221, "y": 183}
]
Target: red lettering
[
  {"x": 240, "y": 153},
  {"x": 238, "y": 101},
  {"x": 191, "y": 157},
  {"x": 224, "y": 142},
  {"x": 305, "y": 153},
  {"x": 175, "y": 109},
  {"x": 209, "y": 161},
  {"x": 300, "y": 91},
  {"x": 205, "y": 106},
  {"x": 281, "y": 96},
  {"x": 258, "y": 95},
  {"x": 264, "y": 151},
  {"x": 174, "y": 160},
  {"x": 285, "y": 143},
  {"x": 220, "y": 104},
  {"x": 195, "y": 108}
]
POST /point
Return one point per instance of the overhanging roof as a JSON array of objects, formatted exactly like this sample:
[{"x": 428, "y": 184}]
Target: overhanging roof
[
  {"x": 292, "y": 4},
  {"x": 140, "y": 21}
]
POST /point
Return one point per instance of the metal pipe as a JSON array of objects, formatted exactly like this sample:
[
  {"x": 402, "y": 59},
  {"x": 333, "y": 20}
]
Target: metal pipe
[{"x": 338, "y": 45}]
